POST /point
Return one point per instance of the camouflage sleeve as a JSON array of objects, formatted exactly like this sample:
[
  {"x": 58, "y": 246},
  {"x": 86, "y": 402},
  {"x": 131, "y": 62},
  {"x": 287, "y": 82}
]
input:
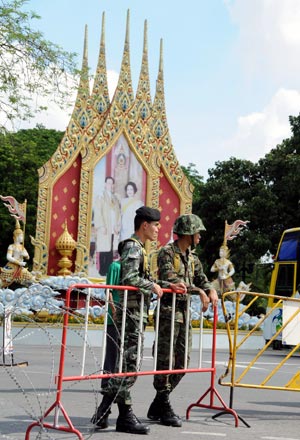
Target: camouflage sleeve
[
  {"x": 200, "y": 279},
  {"x": 131, "y": 260},
  {"x": 165, "y": 262}
]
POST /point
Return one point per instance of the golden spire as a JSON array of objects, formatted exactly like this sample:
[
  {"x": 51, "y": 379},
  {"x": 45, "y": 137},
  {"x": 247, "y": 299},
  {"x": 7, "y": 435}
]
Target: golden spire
[
  {"x": 80, "y": 113},
  {"x": 123, "y": 96},
  {"x": 100, "y": 94},
  {"x": 142, "y": 110},
  {"x": 81, "y": 118},
  {"x": 160, "y": 126},
  {"x": 143, "y": 95},
  {"x": 84, "y": 87}
]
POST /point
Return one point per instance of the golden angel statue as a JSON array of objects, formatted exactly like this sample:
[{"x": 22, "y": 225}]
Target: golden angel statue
[
  {"x": 223, "y": 266},
  {"x": 15, "y": 270},
  {"x": 225, "y": 269}
]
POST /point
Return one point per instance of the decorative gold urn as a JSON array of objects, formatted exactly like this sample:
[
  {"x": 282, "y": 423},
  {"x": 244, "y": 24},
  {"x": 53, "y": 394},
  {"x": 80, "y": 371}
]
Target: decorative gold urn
[{"x": 65, "y": 245}]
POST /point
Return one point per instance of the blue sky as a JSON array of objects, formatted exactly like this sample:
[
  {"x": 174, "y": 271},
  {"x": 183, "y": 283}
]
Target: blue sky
[{"x": 231, "y": 67}]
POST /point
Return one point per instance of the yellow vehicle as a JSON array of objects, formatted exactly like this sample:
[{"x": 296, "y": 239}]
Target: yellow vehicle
[{"x": 285, "y": 278}]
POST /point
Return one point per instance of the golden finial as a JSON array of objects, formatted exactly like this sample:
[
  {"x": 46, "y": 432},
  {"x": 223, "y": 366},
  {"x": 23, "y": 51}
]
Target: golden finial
[
  {"x": 127, "y": 28},
  {"x": 85, "y": 45},
  {"x": 65, "y": 245},
  {"x": 18, "y": 229},
  {"x": 102, "y": 30},
  {"x": 145, "y": 49},
  {"x": 161, "y": 56}
]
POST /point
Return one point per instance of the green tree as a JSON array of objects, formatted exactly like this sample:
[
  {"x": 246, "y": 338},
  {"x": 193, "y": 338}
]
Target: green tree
[
  {"x": 30, "y": 66},
  {"x": 280, "y": 170},
  {"x": 267, "y": 194},
  {"x": 21, "y": 155},
  {"x": 235, "y": 190},
  {"x": 195, "y": 178}
]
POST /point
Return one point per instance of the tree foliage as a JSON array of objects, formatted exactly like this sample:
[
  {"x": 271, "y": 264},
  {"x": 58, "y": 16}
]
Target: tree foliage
[
  {"x": 232, "y": 187},
  {"x": 266, "y": 193},
  {"x": 280, "y": 169},
  {"x": 195, "y": 178},
  {"x": 30, "y": 66},
  {"x": 21, "y": 155}
]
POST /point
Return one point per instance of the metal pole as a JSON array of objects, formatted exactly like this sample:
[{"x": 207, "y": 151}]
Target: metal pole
[{"x": 86, "y": 322}]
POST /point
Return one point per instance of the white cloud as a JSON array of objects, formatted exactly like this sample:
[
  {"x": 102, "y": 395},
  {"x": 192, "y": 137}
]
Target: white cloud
[
  {"x": 269, "y": 36},
  {"x": 258, "y": 132},
  {"x": 255, "y": 135}
]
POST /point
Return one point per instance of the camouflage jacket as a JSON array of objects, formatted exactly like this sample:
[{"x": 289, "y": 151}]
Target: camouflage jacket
[
  {"x": 135, "y": 272},
  {"x": 173, "y": 266}
]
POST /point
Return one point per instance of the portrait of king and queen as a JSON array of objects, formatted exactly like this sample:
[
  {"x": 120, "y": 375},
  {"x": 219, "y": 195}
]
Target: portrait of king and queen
[{"x": 119, "y": 189}]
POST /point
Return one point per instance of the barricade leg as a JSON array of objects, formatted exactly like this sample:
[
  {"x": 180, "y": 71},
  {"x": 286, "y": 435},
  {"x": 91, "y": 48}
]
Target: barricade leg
[
  {"x": 42, "y": 424},
  {"x": 230, "y": 406},
  {"x": 212, "y": 392}
]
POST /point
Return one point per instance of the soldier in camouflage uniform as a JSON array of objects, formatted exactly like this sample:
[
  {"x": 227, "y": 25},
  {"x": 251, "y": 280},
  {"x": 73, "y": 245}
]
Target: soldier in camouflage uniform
[
  {"x": 134, "y": 272},
  {"x": 177, "y": 262}
]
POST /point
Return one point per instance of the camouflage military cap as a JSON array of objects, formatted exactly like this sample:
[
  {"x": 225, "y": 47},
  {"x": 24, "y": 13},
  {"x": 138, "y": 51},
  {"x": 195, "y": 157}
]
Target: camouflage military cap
[
  {"x": 148, "y": 214},
  {"x": 188, "y": 224}
]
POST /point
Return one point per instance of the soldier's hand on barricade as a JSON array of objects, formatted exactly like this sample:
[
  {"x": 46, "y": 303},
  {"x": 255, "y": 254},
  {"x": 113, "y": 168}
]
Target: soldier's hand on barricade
[
  {"x": 113, "y": 309},
  {"x": 213, "y": 297},
  {"x": 158, "y": 290},
  {"x": 205, "y": 300},
  {"x": 178, "y": 287}
]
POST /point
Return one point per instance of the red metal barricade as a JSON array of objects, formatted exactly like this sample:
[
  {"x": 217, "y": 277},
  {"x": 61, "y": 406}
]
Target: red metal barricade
[{"x": 57, "y": 407}]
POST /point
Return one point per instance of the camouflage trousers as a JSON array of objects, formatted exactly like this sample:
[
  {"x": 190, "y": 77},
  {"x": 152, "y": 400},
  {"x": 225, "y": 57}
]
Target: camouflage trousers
[
  {"x": 120, "y": 386},
  {"x": 167, "y": 382}
]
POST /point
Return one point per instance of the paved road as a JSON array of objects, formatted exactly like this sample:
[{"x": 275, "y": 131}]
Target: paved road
[{"x": 27, "y": 392}]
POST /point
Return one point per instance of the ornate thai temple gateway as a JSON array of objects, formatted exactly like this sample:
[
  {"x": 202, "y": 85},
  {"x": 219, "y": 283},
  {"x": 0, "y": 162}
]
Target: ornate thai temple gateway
[{"x": 120, "y": 148}]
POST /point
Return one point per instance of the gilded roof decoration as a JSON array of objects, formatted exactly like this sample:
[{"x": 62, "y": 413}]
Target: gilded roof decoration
[{"x": 96, "y": 126}]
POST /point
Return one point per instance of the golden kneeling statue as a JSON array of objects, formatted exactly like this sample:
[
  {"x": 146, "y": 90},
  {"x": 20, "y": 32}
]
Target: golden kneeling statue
[
  {"x": 15, "y": 271},
  {"x": 225, "y": 269}
]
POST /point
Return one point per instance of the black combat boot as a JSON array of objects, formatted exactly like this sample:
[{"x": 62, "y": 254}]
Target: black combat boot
[
  {"x": 100, "y": 418},
  {"x": 168, "y": 417},
  {"x": 155, "y": 409},
  {"x": 128, "y": 422},
  {"x": 161, "y": 409}
]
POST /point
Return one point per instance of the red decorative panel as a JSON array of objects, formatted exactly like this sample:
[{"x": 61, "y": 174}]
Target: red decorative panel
[
  {"x": 65, "y": 207},
  {"x": 169, "y": 205}
]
